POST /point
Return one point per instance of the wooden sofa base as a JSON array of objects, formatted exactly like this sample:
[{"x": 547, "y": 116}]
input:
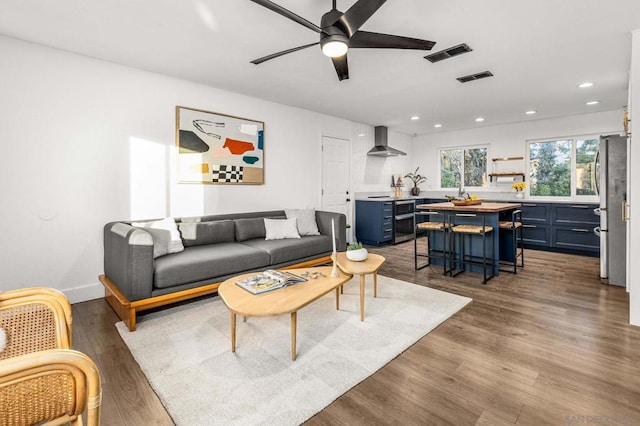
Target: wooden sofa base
[{"x": 127, "y": 310}]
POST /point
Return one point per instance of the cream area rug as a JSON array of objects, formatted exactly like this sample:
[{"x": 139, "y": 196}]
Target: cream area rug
[{"x": 185, "y": 352}]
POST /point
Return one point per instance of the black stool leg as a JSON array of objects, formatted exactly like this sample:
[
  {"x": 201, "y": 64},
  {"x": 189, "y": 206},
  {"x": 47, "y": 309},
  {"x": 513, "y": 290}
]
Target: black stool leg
[
  {"x": 514, "y": 233},
  {"x": 484, "y": 256}
]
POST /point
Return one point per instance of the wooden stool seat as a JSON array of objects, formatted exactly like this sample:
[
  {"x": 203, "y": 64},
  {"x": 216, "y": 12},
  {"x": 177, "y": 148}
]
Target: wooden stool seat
[
  {"x": 433, "y": 226},
  {"x": 507, "y": 224},
  {"x": 472, "y": 229}
]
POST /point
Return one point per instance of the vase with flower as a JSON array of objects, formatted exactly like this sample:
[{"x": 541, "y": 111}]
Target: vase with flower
[{"x": 519, "y": 187}]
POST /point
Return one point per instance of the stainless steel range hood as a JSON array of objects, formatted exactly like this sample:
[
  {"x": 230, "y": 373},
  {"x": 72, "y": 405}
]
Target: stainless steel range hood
[{"x": 381, "y": 149}]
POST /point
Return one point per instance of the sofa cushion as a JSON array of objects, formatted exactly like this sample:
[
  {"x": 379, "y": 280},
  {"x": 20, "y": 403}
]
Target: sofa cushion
[
  {"x": 248, "y": 229},
  {"x": 165, "y": 235},
  {"x": 199, "y": 263},
  {"x": 279, "y": 229},
  {"x": 306, "y": 218},
  {"x": 282, "y": 251},
  {"x": 213, "y": 232}
]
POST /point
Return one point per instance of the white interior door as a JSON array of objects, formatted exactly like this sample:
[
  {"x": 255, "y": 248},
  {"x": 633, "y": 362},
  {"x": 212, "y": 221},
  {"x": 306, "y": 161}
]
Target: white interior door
[{"x": 336, "y": 194}]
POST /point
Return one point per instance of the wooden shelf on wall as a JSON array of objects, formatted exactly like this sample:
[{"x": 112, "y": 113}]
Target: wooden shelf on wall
[
  {"x": 507, "y": 158},
  {"x": 497, "y": 175}
]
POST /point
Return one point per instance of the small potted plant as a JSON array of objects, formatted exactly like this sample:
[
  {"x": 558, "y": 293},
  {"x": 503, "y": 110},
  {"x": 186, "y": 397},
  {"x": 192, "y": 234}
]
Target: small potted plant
[
  {"x": 417, "y": 180},
  {"x": 356, "y": 252}
]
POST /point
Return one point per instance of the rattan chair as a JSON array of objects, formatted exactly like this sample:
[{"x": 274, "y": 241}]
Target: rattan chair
[
  {"x": 51, "y": 387},
  {"x": 43, "y": 381},
  {"x": 34, "y": 319}
]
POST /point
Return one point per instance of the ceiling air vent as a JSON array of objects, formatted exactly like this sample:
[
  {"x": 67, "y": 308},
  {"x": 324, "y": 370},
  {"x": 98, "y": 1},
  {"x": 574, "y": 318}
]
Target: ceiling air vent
[
  {"x": 448, "y": 53},
  {"x": 473, "y": 77}
]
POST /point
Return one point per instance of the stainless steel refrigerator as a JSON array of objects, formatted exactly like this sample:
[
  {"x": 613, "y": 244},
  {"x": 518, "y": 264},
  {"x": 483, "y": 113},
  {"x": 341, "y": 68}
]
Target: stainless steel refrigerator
[{"x": 611, "y": 181}]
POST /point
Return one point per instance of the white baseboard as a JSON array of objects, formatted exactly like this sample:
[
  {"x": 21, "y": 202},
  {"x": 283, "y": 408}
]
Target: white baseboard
[{"x": 84, "y": 293}]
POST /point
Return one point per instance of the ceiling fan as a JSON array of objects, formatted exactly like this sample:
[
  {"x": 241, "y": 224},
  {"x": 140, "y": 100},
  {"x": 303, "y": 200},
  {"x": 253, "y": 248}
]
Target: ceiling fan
[{"x": 340, "y": 31}]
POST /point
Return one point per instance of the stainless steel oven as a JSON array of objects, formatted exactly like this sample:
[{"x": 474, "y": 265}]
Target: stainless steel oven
[{"x": 403, "y": 220}]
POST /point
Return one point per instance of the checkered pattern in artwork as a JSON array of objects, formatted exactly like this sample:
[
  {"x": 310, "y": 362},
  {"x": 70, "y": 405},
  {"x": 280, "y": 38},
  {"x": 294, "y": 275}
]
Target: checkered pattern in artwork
[{"x": 223, "y": 173}]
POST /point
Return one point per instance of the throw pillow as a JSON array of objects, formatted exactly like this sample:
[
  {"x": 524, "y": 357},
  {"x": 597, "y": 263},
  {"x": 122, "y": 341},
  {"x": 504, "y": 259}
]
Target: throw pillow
[
  {"x": 165, "y": 234},
  {"x": 249, "y": 228},
  {"x": 279, "y": 229},
  {"x": 306, "y": 219}
]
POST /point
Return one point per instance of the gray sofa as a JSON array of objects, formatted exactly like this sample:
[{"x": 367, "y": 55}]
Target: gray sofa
[{"x": 216, "y": 248}]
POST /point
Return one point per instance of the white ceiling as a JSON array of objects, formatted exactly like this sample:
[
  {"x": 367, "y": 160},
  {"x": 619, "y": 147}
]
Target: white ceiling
[{"x": 538, "y": 50}]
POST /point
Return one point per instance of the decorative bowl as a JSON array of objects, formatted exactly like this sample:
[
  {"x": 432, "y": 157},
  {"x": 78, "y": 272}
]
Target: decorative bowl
[
  {"x": 357, "y": 255},
  {"x": 466, "y": 202}
]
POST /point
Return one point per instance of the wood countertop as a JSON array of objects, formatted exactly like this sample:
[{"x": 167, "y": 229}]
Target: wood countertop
[{"x": 479, "y": 208}]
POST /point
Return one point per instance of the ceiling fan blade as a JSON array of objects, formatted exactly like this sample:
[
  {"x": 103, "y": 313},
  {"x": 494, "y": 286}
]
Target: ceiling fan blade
[
  {"x": 284, "y": 52},
  {"x": 358, "y": 14},
  {"x": 365, "y": 39},
  {"x": 341, "y": 66},
  {"x": 287, "y": 14}
]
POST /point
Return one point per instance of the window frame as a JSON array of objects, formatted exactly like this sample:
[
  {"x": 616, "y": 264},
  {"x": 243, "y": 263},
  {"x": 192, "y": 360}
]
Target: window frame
[
  {"x": 464, "y": 148},
  {"x": 573, "y": 165}
]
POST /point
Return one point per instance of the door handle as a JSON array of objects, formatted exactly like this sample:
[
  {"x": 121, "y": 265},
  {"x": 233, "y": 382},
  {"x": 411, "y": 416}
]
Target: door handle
[
  {"x": 348, "y": 199},
  {"x": 625, "y": 211}
]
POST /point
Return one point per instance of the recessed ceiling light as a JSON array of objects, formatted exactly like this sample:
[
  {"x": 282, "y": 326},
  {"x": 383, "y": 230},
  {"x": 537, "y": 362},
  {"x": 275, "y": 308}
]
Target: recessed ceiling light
[
  {"x": 479, "y": 119},
  {"x": 593, "y": 102},
  {"x": 585, "y": 84},
  {"x": 437, "y": 126},
  {"x": 531, "y": 112},
  {"x": 415, "y": 117},
  {"x": 361, "y": 134}
]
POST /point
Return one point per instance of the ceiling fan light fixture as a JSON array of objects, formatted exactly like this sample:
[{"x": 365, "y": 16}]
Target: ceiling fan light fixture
[{"x": 334, "y": 48}]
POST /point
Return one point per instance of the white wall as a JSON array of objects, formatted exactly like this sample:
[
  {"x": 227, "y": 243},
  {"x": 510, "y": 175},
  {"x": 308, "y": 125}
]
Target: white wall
[
  {"x": 634, "y": 177},
  {"x": 85, "y": 142},
  {"x": 508, "y": 140},
  {"x": 373, "y": 174}
]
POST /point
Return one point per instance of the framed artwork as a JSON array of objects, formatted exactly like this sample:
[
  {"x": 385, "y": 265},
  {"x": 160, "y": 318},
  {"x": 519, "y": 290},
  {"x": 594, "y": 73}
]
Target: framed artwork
[{"x": 219, "y": 149}]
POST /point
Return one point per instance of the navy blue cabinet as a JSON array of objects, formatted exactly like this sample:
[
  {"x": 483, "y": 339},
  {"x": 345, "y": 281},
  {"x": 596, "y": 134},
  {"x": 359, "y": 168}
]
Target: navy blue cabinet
[
  {"x": 536, "y": 218},
  {"x": 575, "y": 214},
  {"x": 563, "y": 226},
  {"x": 573, "y": 226},
  {"x": 374, "y": 222}
]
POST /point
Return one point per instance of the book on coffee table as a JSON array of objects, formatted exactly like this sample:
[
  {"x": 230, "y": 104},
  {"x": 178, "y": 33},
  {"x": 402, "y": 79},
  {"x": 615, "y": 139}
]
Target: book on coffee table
[{"x": 269, "y": 280}]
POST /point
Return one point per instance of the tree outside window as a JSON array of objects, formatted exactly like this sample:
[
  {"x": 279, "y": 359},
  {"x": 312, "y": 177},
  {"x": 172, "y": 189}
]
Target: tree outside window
[
  {"x": 468, "y": 164},
  {"x": 550, "y": 168},
  {"x": 563, "y": 168},
  {"x": 586, "y": 151}
]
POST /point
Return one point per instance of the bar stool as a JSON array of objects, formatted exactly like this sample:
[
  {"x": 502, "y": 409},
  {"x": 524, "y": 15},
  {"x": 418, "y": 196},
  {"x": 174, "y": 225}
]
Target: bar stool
[
  {"x": 437, "y": 223},
  {"x": 514, "y": 227},
  {"x": 458, "y": 234}
]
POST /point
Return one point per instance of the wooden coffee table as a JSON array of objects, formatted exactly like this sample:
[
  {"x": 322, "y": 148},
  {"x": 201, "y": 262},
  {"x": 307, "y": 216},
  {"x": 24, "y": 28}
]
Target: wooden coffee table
[
  {"x": 288, "y": 300},
  {"x": 370, "y": 265}
]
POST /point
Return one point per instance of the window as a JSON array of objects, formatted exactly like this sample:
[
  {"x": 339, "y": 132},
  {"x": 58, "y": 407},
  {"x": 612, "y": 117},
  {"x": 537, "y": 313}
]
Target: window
[
  {"x": 468, "y": 164},
  {"x": 562, "y": 168}
]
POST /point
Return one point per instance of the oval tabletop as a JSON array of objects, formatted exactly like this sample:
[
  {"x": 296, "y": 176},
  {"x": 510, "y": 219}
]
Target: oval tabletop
[
  {"x": 371, "y": 264},
  {"x": 281, "y": 301}
]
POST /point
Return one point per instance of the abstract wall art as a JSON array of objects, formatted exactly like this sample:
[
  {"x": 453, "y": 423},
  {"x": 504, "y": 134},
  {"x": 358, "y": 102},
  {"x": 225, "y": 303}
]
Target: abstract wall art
[{"x": 218, "y": 149}]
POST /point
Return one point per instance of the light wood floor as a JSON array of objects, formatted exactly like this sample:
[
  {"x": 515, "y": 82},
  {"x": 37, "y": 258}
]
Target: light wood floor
[{"x": 550, "y": 345}]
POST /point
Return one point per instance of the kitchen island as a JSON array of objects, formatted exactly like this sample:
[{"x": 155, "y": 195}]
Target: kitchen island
[{"x": 491, "y": 213}]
